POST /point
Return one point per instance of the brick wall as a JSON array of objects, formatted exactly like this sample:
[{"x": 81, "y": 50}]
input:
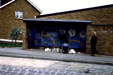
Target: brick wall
[
  {"x": 99, "y": 17},
  {"x": 7, "y": 16},
  {"x": 24, "y": 46},
  {"x": 104, "y": 39}
]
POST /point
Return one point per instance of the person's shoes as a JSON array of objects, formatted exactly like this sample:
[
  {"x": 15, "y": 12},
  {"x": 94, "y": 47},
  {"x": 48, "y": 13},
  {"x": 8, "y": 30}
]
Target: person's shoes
[
  {"x": 95, "y": 54},
  {"x": 92, "y": 54}
]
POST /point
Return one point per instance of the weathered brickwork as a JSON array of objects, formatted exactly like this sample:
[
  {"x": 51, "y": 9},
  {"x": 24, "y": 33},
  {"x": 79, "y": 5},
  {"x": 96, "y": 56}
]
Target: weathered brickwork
[
  {"x": 101, "y": 18},
  {"x": 24, "y": 46},
  {"x": 7, "y": 16},
  {"x": 104, "y": 41}
]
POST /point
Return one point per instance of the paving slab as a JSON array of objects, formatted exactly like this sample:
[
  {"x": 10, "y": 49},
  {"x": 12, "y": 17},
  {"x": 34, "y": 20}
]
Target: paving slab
[{"x": 41, "y": 54}]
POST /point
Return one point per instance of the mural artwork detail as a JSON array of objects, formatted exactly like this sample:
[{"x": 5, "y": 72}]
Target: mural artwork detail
[{"x": 55, "y": 38}]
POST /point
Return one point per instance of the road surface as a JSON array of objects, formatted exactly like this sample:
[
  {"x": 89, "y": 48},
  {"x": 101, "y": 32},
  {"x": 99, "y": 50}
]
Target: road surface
[{"x": 25, "y": 66}]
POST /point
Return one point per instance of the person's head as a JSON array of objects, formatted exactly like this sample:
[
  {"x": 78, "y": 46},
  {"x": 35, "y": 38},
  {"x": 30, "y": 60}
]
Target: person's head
[{"x": 93, "y": 33}]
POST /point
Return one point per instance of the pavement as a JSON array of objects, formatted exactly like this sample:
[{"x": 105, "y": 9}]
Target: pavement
[{"x": 41, "y": 54}]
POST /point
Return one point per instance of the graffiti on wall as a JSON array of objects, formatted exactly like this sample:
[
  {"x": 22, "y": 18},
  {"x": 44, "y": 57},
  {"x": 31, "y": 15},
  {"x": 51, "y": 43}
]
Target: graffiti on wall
[{"x": 55, "y": 38}]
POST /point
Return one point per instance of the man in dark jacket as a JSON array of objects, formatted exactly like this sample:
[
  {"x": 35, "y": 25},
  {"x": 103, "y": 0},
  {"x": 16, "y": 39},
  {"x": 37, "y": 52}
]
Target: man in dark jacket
[{"x": 93, "y": 43}]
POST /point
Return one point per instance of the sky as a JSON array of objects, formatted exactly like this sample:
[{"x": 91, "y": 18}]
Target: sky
[{"x": 55, "y": 6}]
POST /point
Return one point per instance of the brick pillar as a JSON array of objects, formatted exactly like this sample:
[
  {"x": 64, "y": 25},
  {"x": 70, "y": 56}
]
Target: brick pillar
[{"x": 24, "y": 37}]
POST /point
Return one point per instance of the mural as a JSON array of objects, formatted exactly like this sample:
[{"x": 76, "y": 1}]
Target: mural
[{"x": 55, "y": 37}]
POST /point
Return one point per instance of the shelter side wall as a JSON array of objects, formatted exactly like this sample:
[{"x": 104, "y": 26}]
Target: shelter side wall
[
  {"x": 104, "y": 39},
  {"x": 7, "y": 15}
]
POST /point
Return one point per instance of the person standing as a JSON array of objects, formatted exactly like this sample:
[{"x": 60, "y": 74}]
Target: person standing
[{"x": 93, "y": 43}]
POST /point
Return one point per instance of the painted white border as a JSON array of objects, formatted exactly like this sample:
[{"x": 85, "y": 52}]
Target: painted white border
[
  {"x": 27, "y": 0},
  {"x": 7, "y": 4},
  {"x": 9, "y": 40},
  {"x": 35, "y": 6}
]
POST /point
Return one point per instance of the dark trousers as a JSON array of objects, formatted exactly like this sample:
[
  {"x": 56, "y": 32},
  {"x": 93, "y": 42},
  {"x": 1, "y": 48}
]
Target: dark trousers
[
  {"x": 93, "y": 48},
  {"x": 33, "y": 43},
  {"x": 65, "y": 49}
]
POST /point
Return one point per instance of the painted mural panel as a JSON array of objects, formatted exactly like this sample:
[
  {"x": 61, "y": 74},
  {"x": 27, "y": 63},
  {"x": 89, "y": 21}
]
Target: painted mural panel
[{"x": 55, "y": 37}]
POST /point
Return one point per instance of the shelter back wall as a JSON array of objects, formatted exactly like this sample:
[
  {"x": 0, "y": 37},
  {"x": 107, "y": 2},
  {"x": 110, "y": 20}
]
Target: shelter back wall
[
  {"x": 102, "y": 16},
  {"x": 98, "y": 16}
]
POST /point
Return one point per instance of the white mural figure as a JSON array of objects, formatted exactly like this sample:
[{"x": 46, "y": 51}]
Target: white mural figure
[
  {"x": 62, "y": 31},
  {"x": 72, "y": 32},
  {"x": 82, "y": 34}
]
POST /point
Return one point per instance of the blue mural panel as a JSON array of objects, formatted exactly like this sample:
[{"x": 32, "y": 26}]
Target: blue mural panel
[{"x": 55, "y": 37}]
